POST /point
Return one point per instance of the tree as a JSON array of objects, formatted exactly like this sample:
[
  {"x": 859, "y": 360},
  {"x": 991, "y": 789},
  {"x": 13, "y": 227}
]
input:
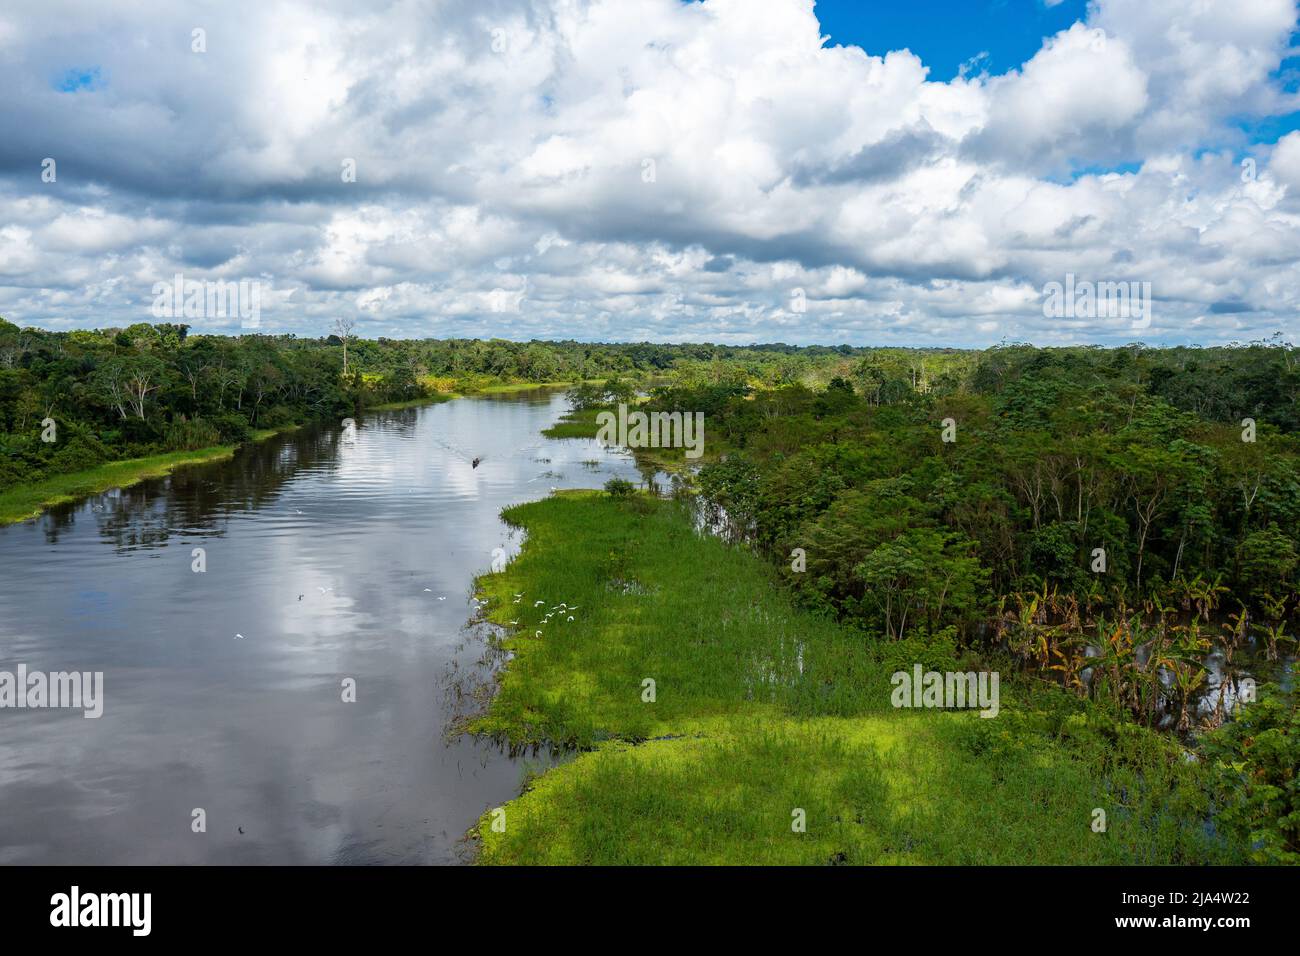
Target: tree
[
  {"x": 841, "y": 537},
  {"x": 142, "y": 377},
  {"x": 1267, "y": 562},
  {"x": 1153, "y": 475},
  {"x": 343, "y": 329},
  {"x": 929, "y": 572},
  {"x": 127, "y": 382}
]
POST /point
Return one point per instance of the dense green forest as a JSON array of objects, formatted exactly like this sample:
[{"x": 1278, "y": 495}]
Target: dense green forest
[
  {"x": 1107, "y": 522},
  {"x": 148, "y": 389},
  {"x": 1055, "y": 498},
  {"x": 1183, "y": 466}
]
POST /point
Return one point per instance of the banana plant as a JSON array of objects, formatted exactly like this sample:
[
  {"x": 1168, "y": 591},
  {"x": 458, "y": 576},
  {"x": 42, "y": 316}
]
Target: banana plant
[
  {"x": 1188, "y": 676},
  {"x": 1206, "y": 594},
  {"x": 1070, "y": 662},
  {"x": 1161, "y": 656},
  {"x": 1275, "y": 637},
  {"x": 1117, "y": 657},
  {"x": 1274, "y": 634}
]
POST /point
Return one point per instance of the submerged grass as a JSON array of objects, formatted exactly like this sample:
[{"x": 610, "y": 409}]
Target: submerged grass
[
  {"x": 507, "y": 388},
  {"x": 575, "y": 424},
  {"x": 582, "y": 424},
  {"x": 761, "y": 710}
]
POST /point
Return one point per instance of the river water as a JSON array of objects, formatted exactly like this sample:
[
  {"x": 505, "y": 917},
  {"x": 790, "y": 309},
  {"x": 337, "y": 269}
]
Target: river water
[{"x": 337, "y": 554}]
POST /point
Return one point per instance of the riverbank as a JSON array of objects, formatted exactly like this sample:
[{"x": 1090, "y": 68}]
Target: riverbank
[
  {"x": 508, "y": 388},
  {"x": 27, "y": 501},
  {"x": 24, "y": 502},
  {"x": 767, "y": 733},
  {"x": 583, "y": 424},
  {"x": 31, "y": 500},
  {"x": 437, "y": 398}
]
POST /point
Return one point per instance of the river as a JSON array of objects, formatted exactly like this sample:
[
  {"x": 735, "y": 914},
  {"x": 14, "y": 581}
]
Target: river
[{"x": 329, "y": 555}]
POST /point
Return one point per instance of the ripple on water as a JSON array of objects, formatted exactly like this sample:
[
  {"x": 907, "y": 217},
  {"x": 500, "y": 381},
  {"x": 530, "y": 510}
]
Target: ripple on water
[{"x": 318, "y": 548}]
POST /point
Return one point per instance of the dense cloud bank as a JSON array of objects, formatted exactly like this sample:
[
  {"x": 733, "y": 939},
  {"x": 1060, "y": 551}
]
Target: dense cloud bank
[{"x": 646, "y": 169}]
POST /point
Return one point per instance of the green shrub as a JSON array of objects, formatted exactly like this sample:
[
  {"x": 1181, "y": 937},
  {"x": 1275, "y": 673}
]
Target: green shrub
[
  {"x": 16, "y": 473},
  {"x": 620, "y": 488},
  {"x": 277, "y": 416},
  {"x": 188, "y": 435},
  {"x": 1257, "y": 763},
  {"x": 935, "y": 653},
  {"x": 78, "y": 454},
  {"x": 232, "y": 427}
]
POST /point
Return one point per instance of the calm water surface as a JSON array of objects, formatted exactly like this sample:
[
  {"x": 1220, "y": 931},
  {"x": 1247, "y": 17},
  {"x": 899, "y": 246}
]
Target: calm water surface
[{"x": 336, "y": 553}]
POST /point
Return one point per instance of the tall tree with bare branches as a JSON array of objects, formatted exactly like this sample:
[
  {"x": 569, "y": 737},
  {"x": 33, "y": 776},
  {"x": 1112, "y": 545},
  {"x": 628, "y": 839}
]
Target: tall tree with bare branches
[{"x": 343, "y": 329}]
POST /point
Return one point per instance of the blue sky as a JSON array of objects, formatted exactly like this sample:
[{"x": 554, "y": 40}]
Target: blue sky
[
  {"x": 79, "y": 78},
  {"x": 993, "y": 36},
  {"x": 947, "y": 34}
]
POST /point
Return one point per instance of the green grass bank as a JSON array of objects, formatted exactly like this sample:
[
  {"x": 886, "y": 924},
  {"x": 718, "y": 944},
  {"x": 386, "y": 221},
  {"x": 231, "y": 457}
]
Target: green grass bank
[
  {"x": 30, "y": 500},
  {"x": 27, "y": 501},
  {"x": 770, "y": 737}
]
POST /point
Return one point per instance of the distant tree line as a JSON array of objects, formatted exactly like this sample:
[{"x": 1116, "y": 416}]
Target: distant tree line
[{"x": 151, "y": 388}]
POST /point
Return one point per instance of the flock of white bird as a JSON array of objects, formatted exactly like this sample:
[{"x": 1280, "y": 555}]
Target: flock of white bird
[{"x": 562, "y": 609}]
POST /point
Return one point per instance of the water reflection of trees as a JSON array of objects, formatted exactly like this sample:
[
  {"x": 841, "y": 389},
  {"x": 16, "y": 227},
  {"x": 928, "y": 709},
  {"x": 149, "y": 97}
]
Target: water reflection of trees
[{"x": 199, "y": 499}]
